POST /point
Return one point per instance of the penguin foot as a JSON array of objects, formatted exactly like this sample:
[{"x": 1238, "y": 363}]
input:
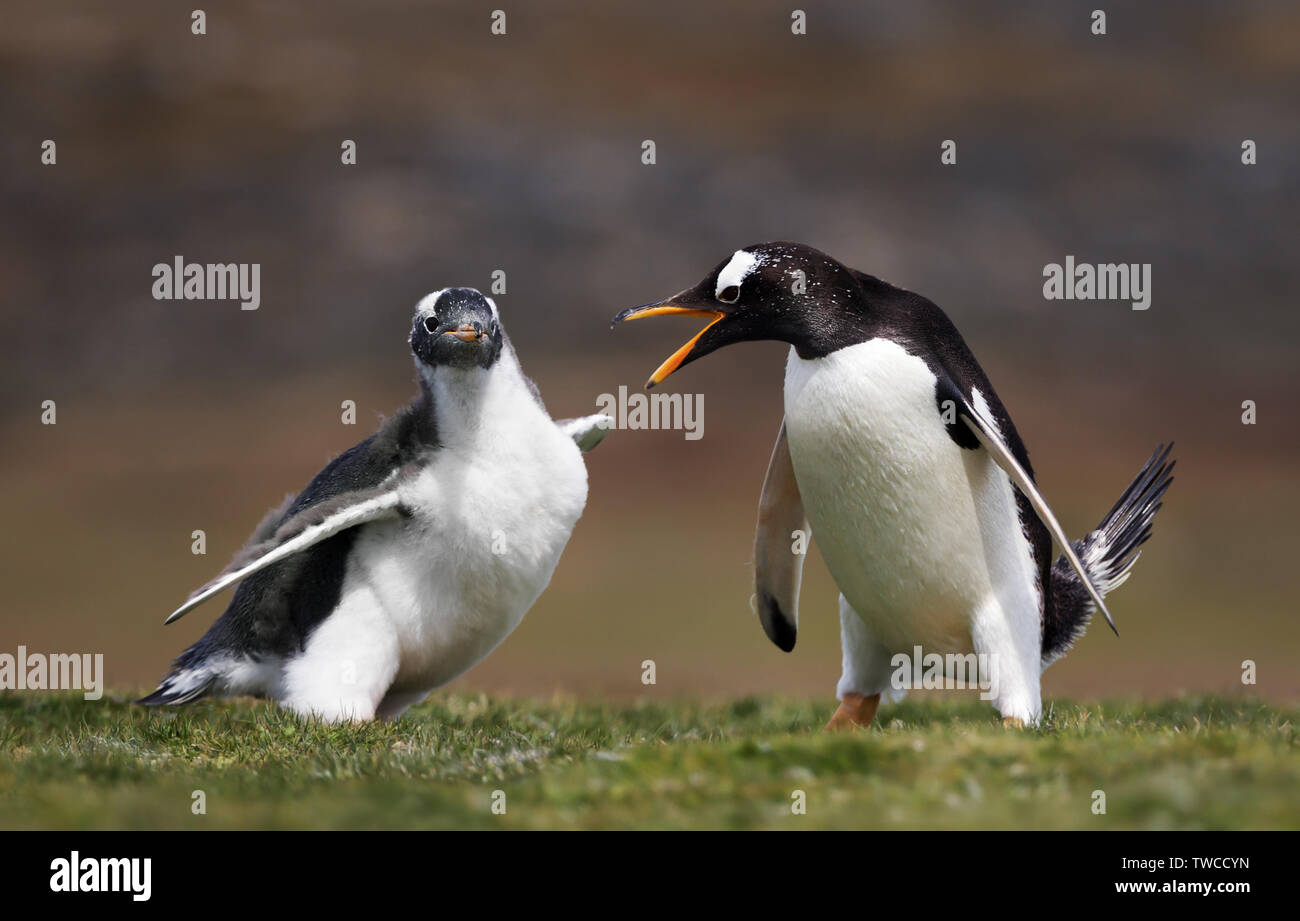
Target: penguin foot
[
  {"x": 854, "y": 710},
  {"x": 1012, "y": 722}
]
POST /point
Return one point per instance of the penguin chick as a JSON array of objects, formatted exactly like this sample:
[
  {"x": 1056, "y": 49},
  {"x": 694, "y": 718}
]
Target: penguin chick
[{"x": 413, "y": 554}]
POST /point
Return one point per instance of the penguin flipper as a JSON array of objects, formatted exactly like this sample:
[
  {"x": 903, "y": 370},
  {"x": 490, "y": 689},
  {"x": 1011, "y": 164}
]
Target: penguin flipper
[
  {"x": 304, "y": 530},
  {"x": 587, "y": 431},
  {"x": 987, "y": 435},
  {"x": 778, "y": 570}
]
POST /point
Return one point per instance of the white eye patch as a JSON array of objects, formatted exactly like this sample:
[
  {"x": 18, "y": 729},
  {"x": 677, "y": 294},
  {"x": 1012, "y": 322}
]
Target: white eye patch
[
  {"x": 428, "y": 302},
  {"x": 736, "y": 271}
]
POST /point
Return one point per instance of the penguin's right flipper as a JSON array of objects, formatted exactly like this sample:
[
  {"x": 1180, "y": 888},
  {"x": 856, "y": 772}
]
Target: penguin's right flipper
[
  {"x": 778, "y": 569},
  {"x": 303, "y": 530},
  {"x": 587, "y": 431}
]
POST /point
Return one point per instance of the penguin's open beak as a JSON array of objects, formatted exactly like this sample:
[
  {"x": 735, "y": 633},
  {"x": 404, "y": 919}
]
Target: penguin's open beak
[{"x": 671, "y": 307}]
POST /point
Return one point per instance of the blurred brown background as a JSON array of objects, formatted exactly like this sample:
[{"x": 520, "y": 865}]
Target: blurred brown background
[{"x": 522, "y": 152}]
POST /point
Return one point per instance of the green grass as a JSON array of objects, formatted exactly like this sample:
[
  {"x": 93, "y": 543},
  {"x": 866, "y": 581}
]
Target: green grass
[{"x": 564, "y": 763}]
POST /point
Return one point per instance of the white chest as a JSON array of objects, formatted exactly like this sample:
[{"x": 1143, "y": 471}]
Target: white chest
[
  {"x": 917, "y": 532},
  {"x": 490, "y": 517}
]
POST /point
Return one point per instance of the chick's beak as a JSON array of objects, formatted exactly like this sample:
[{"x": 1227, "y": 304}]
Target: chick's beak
[
  {"x": 467, "y": 332},
  {"x": 670, "y": 307}
]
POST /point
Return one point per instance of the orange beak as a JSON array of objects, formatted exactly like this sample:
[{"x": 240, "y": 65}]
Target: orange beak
[
  {"x": 667, "y": 308},
  {"x": 467, "y": 332}
]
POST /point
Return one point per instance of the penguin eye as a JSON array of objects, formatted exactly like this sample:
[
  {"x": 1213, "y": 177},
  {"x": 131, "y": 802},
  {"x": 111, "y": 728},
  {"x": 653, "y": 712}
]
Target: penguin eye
[
  {"x": 729, "y": 294},
  {"x": 431, "y": 324}
]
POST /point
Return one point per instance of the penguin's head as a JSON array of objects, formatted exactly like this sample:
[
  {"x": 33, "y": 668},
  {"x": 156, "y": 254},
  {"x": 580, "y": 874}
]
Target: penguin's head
[
  {"x": 458, "y": 328},
  {"x": 784, "y": 291}
]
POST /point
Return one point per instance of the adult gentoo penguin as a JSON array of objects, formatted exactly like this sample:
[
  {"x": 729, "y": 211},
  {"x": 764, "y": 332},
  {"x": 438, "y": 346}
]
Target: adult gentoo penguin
[
  {"x": 918, "y": 489},
  {"x": 411, "y": 555}
]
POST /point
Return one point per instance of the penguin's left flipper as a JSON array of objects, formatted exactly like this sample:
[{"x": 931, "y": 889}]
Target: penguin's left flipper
[
  {"x": 778, "y": 570},
  {"x": 587, "y": 431},
  {"x": 987, "y": 434},
  {"x": 304, "y": 530}
]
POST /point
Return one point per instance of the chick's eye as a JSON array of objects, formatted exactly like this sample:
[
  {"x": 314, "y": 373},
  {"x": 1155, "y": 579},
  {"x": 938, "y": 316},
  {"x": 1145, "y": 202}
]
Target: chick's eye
[
  {"x": 729, "y": 294},
  {"x": 431, "y": 324}
]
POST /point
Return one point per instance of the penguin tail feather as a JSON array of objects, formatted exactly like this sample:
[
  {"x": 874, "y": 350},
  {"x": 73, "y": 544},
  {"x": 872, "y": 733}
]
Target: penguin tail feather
[
  {"x": 184, "y": 683},
  {"x": 1108, "y": 554}
]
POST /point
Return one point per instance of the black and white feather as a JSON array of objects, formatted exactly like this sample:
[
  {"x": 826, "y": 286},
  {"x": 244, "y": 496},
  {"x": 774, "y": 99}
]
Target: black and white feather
[{"x": 1108, "y": 555}]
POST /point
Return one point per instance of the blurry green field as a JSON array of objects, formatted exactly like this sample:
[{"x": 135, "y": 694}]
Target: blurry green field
[{"x": 564, "y": 763}]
